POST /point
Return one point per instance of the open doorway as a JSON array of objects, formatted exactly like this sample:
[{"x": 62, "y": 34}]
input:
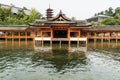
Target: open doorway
[{"x": 60, "y": 33}]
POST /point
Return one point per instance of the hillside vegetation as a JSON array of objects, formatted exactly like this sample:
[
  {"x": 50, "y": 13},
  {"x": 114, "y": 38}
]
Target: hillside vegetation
[
  {"x": 7, "y": 17},
  {"x": 114, "y": 18}
]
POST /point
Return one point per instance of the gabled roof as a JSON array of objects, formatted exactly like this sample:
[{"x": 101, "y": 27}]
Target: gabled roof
[{"x": 60, "y": 17}]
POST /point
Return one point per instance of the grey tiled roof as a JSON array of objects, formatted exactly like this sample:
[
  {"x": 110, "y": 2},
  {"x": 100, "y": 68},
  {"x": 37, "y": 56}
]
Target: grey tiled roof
[
  {"x": 15, "y": 9},
  {"x": 13, "y": 27},
  {"x": 103, "y": 28}
]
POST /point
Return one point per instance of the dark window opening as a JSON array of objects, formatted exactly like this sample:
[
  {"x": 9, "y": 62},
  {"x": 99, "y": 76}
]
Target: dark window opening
[{"x": 60, "y": 33}]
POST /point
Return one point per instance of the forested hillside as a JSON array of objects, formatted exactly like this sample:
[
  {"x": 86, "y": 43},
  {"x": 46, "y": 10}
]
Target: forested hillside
[
  {"x": 114, "y": 18},
  {"x": 7, "y": 17}
]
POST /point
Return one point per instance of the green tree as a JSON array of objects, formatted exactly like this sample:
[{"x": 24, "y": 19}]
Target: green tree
[
  {"x": 117, "y": 10},
  {"x": 7, "y": 17},
  {"x": 34, "y": 14}
]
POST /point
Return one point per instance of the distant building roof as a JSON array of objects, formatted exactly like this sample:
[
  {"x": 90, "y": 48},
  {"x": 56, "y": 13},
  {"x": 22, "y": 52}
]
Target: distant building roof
[
  {"x": 97, "y": 18},
  {"x": 105, "y": 28},
  {"x": 13, "y": 27},
  {"x": 15, "y": 9}
]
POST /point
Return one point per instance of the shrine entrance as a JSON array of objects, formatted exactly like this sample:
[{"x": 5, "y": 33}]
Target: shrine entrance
[{"x": 60, "y": 33}]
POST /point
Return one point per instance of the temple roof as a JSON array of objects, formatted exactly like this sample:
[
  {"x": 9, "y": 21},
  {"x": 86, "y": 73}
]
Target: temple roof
[
  {"x": 13, "y": 27},
  {"x": 60, "y": 17},
  {"x": 105, "y": 28}
]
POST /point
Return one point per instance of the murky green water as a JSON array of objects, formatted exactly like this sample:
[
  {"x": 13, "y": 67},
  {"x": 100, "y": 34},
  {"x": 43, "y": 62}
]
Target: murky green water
[{"x": 24, "y": 61}]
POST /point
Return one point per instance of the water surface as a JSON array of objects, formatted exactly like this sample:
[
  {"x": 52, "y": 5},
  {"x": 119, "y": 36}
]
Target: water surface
[{"x": 24, "y": 61}]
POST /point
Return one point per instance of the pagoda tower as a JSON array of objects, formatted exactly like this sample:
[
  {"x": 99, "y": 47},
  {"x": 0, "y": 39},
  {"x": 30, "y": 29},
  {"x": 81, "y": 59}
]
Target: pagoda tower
[{"x": 49, "y": 13}]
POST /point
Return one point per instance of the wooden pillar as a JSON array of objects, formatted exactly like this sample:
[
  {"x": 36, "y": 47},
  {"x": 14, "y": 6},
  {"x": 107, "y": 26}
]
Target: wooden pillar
[
  {"x": 12, "y": 36},
  {"x": 95, "y": 37},
  {"x": 69, "y": 43},
  {"x": 42, "y": 39},
  {"x": 88, "y": 34},
  {"x": 19, "y": 38},
  {"x": 109, "y": 39},
  {"x": 12, "y": 39},
  {"x": 79, "y": 33},
  {"x": 94, "y": 40},
  {"x": 102, "y": 39},
  {"x": 51, "y": 33},
  {"x": 19, "y": 35},
  {"x": 78, "y": 38},
  {"x": 26, "y": 38},
  {"x": 116, "y": 38},
  {"x": 5, "y": 37},
  {"x": 51, "y": 38}
]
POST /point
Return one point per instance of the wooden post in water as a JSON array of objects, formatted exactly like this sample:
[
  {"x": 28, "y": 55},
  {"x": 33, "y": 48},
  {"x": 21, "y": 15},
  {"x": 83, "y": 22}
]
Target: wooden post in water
[
  {"x": 102, "y": 38},
  {"x": 51, "y": 38},
  {"x": 42, "y": 43},
  {"x": 109, "y": 37},
  {"x": 12, "y": 39},
  {"x": 95, "y": 40},
  {"x": 19, "y": 42},
  {"x": 94, "y": 44},
  {"x": 116, "y": 38},
  {"x": 6, "y": 38},
  {"x": 69, "y": 43},
  {"x": 60, "y": 43},
  {"x": 26, "y": 38},
  {"x": 51, "y": 43},
  {"x": 109, "y": 40},
  {"x": 69, "y": 54},
  {"x": 78, "y": 44},
  {"x": 51, "y": 53},
  {"x": 86, "y": 42},
  {"x": 19, "y": 38}
]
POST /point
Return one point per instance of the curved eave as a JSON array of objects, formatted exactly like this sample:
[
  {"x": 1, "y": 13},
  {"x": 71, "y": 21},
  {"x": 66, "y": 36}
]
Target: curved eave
[
  {"x": 81, "y": 27},
  {"x": 102, "y": 30},
  {"x": 61, "y": 22},
  {"x": 60, "y": 15}
]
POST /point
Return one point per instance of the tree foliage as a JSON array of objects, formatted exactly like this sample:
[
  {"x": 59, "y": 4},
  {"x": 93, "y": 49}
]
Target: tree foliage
[
  {"x": 114, "y": 18},
  {"x": 7, "y": 17}
]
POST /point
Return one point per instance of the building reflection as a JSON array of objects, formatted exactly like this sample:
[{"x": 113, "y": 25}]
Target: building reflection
[{"x": 61, "y": 58}]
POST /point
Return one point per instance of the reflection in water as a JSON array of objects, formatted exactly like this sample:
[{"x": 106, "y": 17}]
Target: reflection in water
[
  {"x": 61, "y": 59},
  {"x": 110, "y": 49},
  {"x": 26, "y": 61}
]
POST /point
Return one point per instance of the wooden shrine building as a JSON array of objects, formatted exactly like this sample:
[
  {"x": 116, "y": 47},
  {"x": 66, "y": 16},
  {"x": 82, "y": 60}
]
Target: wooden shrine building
[{"x": 59, "y": 28}]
